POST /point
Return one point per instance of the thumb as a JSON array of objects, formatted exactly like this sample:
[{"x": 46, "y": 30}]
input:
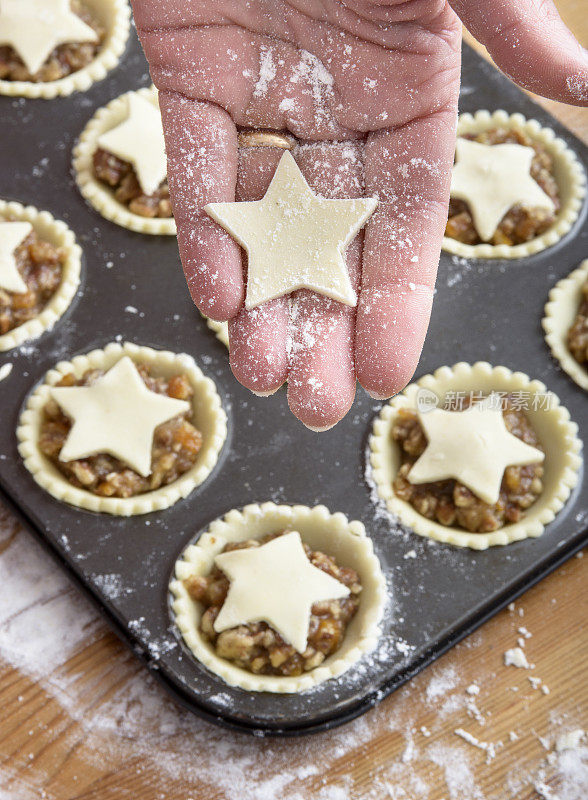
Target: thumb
[{"x": 529, "y": 42}]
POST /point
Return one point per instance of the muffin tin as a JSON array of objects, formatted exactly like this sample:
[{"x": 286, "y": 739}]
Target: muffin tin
[{"x": 133, "y": 289}]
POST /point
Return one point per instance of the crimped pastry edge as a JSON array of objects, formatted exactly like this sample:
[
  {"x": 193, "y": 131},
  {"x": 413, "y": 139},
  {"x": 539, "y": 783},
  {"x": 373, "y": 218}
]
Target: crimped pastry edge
[
  {"x": 569, "y": 174},
  {"x": 116, "y": 16},
  {"x": 97, "y": 193},
  {"x": 335, "y": 535},
  {"x": 556, "y": 431},
  {"x": 560, "y": 312},
  {"x": 57, "y": 233}
]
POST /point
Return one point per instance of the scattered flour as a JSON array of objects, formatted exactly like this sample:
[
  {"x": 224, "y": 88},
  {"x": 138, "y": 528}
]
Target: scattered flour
[
  {"x": 544, "y": 791},
  {"x": 44, "y": 622},
  {"x": 459, "y": 777},
  {"x": 111, "y": 585},
  {"x": 441, "y": 684},
  {"x": 570, "y": 740},
  {"x": 267, "y": 72}
]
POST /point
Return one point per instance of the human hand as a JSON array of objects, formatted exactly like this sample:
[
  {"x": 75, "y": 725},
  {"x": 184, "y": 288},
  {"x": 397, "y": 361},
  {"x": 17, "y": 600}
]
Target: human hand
[{"x": 370, "y": 91}]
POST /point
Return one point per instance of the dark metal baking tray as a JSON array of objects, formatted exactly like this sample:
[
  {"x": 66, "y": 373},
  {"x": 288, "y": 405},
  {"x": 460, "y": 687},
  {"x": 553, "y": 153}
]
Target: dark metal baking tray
[{"x": 483, "y": 310}]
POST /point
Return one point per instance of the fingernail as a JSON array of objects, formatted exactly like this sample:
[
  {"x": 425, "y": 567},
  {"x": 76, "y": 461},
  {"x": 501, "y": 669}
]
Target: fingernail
[
  {"x": 376, "y": 396},
  {"x": 319, "y": 429},
  {"x": 264, "y": 394}
]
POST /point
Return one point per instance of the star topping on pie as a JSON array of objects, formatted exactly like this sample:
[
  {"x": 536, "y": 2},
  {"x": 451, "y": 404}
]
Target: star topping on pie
[
  {"x": 294, "y": 238},
  {"x": 492, "y": 179},
  {"x": 139, "y": 140},
  {"x": 12, "y": 235},
  {"x": 473, "y": 446},
  {"x": 34, "y": 28},
  {"x": 277, "y": 584},
  {"x": 117, "y": 415}
]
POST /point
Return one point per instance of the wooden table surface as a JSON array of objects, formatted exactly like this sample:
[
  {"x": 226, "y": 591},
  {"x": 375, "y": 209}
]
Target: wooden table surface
[{"x": 92, "y": 726}]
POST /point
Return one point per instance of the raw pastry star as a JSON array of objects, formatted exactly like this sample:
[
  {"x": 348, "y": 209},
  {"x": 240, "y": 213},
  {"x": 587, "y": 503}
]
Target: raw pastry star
[
  {"x": 294, "y": 239},
  {"x": 492, "y": 179},
  {"x": 34, "y": 28},
  {"x": 473, "y": 446},
  {"x": 139, "y": 140},
  {"x": 12, "y": 234},
  {"x": 277, "y": 584},
  {"x": 117, "y": 414}
]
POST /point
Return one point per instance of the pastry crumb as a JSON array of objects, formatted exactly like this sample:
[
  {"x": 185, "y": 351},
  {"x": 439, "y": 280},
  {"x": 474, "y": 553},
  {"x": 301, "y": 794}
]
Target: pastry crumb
[{"x": 516, "y": 658}]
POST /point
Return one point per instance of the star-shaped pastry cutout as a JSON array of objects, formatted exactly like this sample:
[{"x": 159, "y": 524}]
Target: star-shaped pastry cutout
[
  {"x": 139, "y": 140},
  {"x": 34, "y": 28},
  {"x": 117, "y": 414},
  {"x": 277, "y": 584},
  {"x": 294, "y": 239},
  {"x": 491, "y": 179},
  {"x": 473, "y": 446},
  {"x": 12, "y": 235}
]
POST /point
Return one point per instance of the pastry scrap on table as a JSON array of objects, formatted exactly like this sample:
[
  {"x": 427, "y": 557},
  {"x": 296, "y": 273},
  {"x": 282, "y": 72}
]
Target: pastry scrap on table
[{"x": 294, "y": 238}]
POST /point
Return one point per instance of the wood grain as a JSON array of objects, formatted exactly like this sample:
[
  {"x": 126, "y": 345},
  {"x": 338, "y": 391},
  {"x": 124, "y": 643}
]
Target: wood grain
[{"x": 47, "y": 749}]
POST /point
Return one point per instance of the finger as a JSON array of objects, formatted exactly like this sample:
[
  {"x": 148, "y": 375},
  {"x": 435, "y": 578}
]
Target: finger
[
  {"x": 321, "y": 377},
  {"x": 408, "y": 169},
  {"x": 529, "y": 42},
  {"x": 201, "y": 145},
  {"x": 258, "y": 337}
]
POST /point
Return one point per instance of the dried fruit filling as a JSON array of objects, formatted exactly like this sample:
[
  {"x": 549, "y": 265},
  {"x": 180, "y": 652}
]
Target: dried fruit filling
[
  {"x": 520, "y": 224},
  {"x": 175, "y": 449},
  {"x": 63, "y": 61},
  {"x": 40, "y": 265},
  {"x": 578, "y": 333},
  {"x": 257, "y": 647},
  {"x": 451, "y": 503},
  {"x": 120, "y": 176}
]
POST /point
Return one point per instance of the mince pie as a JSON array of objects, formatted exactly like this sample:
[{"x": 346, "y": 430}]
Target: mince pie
[
  {"x": 475, "y": 456},
  {"x": 279, "y": 598},
  {"x": 124, "y": 430}
]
